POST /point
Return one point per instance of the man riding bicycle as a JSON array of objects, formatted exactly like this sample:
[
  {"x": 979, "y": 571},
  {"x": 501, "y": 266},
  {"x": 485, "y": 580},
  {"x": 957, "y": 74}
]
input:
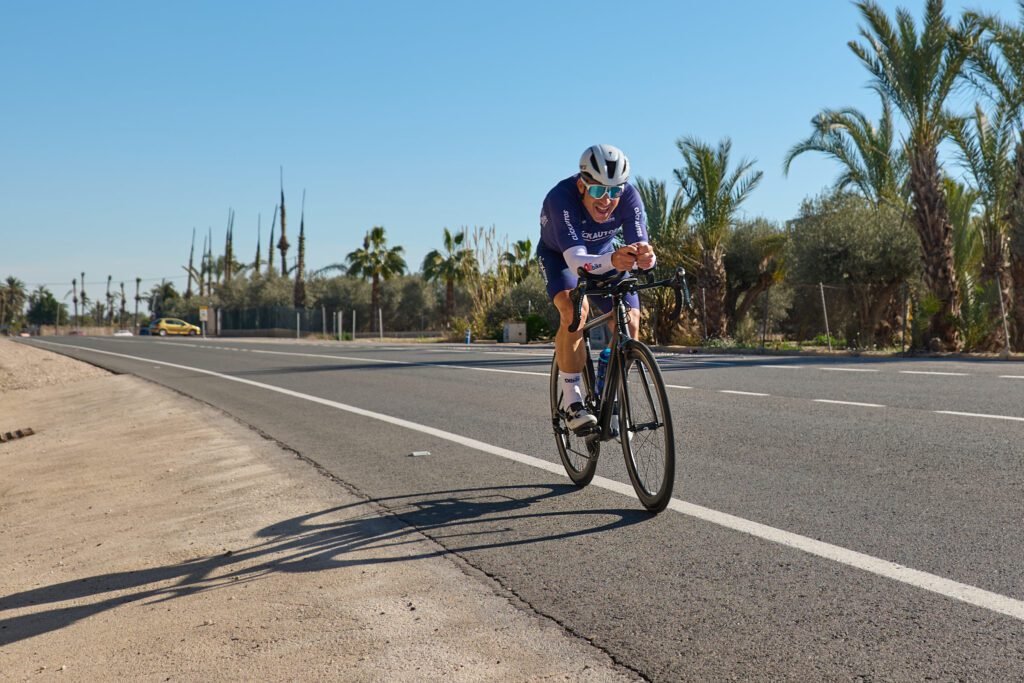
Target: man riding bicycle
[{"x": 578, "y": 223}]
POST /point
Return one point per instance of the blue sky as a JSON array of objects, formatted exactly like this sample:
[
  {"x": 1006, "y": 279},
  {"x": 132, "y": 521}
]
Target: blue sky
[{"x": 123, "y": 125}]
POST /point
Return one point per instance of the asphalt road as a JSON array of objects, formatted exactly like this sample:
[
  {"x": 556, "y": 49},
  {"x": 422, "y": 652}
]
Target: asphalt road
[{"x": 836, "y": 518}]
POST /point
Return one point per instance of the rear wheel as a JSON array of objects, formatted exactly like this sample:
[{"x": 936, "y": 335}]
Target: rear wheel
[
  {"x": 645, "y": 428},
  {"x": 578, "y": 456}
]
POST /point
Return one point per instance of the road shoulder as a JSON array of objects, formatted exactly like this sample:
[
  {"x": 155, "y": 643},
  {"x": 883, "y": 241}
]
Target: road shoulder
[{"x": 147, "y": 536}]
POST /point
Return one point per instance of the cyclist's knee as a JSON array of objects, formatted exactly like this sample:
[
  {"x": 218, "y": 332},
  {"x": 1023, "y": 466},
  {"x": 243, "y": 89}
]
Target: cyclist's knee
[{"x": 563, "y": 302}]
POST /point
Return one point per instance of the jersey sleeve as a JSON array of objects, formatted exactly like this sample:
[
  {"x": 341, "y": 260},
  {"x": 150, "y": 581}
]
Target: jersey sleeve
[
  {"x": 560, "y": 224},
  {"x": 634, "y": 225}
]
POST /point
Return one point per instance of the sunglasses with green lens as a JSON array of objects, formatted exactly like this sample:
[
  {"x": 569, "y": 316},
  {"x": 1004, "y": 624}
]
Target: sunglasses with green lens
[{"x": 599, "y": 191}]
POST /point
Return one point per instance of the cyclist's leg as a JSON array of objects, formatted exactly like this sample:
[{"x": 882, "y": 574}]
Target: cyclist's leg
[
  {"x": 560, "y": 281},
  {"x": 568, "y": 345}
]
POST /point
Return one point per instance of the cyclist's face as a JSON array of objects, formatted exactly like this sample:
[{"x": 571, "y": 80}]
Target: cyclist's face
[{"x": 599, "y": 209}]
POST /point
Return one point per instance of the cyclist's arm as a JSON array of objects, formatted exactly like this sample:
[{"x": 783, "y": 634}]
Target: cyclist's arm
[{"x": 634, "y": 231}]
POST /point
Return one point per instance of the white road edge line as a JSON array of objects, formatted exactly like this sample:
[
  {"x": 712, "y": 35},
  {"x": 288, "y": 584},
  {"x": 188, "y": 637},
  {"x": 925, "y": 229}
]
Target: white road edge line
[
  {"x": 848, "y": 403},
  {"x": 955, "y": 590},
  {"x": 991, "y": 417}
]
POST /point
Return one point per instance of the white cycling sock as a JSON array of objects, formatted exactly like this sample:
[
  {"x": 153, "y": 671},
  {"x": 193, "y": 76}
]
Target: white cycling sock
[{"x": 571, "y": 392}]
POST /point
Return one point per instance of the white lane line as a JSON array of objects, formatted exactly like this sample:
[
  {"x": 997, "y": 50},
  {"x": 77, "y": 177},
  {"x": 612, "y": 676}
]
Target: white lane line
[
  {"x": 741, "y": 393},
  {"x": 781, "y": 367},
  {"x": 511, "y": 372},
  {"x": 931, "y": 372},
  {"x": 954, "y": 590},
  {"x": 849, "y": 369},
  {"x": 848, "y": 403},
  {"x": 1011, "y": 376},
  {"x": 677, "y": 386},
  {"x": 991, "y": 417}
]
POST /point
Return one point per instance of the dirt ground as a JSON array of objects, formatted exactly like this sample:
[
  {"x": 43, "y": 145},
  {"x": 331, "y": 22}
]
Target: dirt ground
[{"x": 145, "y": 536}]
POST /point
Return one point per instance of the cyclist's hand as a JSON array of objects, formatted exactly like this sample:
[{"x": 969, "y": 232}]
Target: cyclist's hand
[
  {"x": 644, "y": 255},
  {"x": 624, "y": 258}
]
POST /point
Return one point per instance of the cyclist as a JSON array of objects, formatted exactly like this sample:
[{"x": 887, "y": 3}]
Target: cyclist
[{"x": 579, "y": 220}]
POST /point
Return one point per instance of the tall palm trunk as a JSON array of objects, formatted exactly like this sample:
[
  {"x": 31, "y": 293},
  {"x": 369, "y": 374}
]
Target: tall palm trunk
[
  {"x": 712, "y": 280},
  {"x": 375, "y": 303},
  {"x": 449, "y": 300},
  {"x": 1017, "y": 252},
  {"x": 934, "y": 229}
]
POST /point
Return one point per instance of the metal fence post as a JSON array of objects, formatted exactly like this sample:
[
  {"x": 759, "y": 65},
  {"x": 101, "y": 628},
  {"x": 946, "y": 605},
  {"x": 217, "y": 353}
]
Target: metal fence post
[
  {"x": 380, "y": 322},
  {"x": 353, "y": 324},
  {"x": 297, "y": 323},
  {"x": 824, "y": 308}
]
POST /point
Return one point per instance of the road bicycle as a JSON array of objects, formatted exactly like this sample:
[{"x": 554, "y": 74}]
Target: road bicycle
[{"x": 633, "y": 404}]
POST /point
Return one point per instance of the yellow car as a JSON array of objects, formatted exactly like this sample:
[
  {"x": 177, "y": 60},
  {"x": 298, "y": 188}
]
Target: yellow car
[{"x": 166, "y": 326}]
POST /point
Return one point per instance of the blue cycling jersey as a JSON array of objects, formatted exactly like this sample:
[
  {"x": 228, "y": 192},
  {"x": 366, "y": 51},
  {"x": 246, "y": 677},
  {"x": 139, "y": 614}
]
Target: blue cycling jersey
[{"x": 565, "y": 222}]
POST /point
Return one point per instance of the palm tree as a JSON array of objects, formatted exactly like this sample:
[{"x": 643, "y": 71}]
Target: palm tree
[
  {"x": 519, "y": 261},
  {"x": 110, "y": 303},
  {"x": 138, "y": 282},
  {"x": 666, "y": 226},
  {"x": 376, "y": 262},
  {"x": 74, "y": 298},
  {"x": 917, "y": 72},
  {"x": 159, "y": 295},
  {"x": 865, "y": 151},
  {"x": 984, "y": 150},
  {"x": 12, "y": 299},
  {"x": 999, "y": 61},
  {"x": 453, "y": 266},
  {"x": 713, "y": 193}
]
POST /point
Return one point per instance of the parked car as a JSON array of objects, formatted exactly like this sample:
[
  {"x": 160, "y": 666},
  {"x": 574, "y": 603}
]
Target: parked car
[{"x": 166, "y": 326}]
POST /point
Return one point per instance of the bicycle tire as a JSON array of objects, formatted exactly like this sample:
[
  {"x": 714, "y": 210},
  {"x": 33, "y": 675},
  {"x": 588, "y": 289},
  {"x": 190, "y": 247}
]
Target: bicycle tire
[
  {"x": 571, "y": 448},
  {"x": 645, "y": 428}
]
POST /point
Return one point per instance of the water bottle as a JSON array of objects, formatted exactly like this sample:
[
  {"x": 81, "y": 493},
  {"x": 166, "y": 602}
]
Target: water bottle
[{"x": 602, "y": 365}]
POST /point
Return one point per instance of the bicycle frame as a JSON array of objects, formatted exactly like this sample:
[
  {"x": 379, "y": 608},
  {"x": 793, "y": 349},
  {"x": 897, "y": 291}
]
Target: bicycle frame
[{"x": 612, "y": 375}]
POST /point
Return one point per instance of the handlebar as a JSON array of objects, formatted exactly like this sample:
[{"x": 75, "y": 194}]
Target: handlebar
[{"x": 594, "y": 284}]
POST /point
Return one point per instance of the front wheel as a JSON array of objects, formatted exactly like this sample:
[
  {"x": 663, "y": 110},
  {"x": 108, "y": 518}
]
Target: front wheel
[
  {"x": 645, "y": 428},
  {"x": 163, "y": 333},
  {"x": 578, "y": 455}
]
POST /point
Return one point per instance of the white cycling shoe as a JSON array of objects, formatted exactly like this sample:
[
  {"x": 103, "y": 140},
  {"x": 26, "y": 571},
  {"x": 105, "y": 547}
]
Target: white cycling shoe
[{"x": 579, "y": 418}]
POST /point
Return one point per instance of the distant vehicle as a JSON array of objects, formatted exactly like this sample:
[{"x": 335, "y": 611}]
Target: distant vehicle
[
  {"x": 123, "y": 333},
  {"x": 166, "y": 326}
]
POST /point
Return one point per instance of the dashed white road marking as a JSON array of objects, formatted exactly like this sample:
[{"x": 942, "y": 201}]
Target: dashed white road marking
[
  {"x": 848, "y": 403},
  {"x": 781, "y": 367},
  {"x": 991, "y": 417},
  {"x": 741, "y": 393},
  {"x": 677, "y": 386},
  {"x": 932, "y": 372},
  {"x": 849, "y": 369},
  {"x": 1011, "y": 376},
  {"x": 954, "y": 590}
]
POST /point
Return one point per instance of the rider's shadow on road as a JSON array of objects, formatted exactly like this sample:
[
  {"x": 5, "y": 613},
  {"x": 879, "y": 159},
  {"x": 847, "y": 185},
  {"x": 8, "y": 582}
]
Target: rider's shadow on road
[{"x": 462, "y": 521}]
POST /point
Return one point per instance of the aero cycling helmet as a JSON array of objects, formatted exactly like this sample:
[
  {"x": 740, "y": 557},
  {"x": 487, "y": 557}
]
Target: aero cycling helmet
[{"x": 605, "y": 164}]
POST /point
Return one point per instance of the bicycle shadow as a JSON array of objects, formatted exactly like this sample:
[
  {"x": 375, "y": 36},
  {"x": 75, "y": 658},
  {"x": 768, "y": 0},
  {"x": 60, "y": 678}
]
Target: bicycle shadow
[{"x": 357, "y": 534}]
